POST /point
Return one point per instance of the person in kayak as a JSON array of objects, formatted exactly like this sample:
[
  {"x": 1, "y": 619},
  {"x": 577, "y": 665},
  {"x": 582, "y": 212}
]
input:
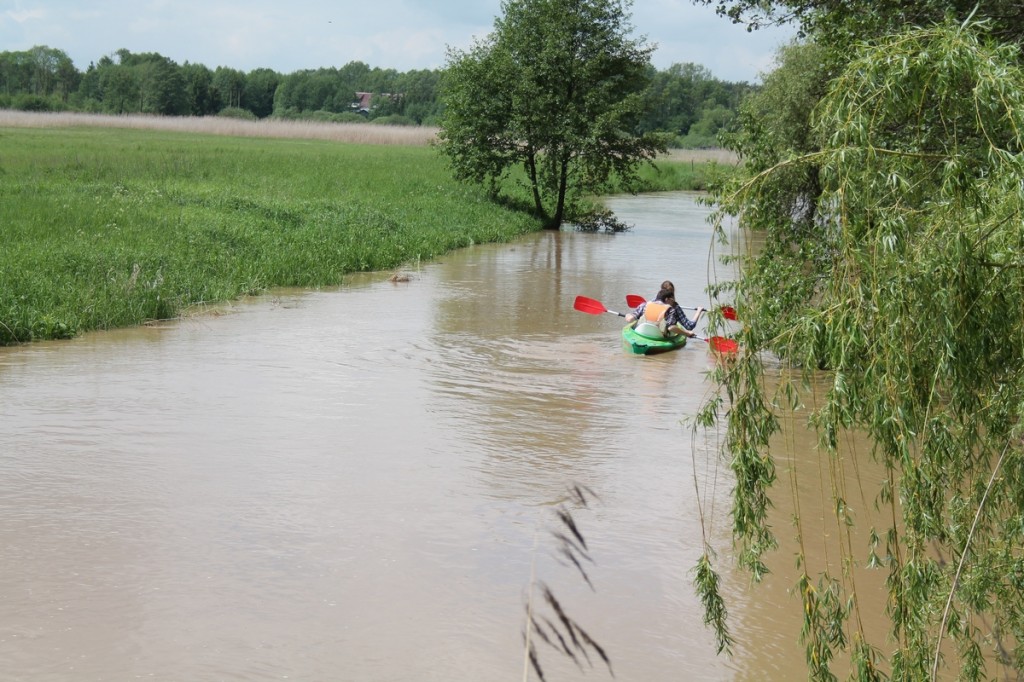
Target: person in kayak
[
  {"x": 666, "y": 286},
  {"x": 662, "y": 317}
]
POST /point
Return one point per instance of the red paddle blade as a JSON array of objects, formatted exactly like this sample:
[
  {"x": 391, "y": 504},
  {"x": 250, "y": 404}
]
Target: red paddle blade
[
  {"x": 728, "y": 312},
  {"x": 632, "y": 300},
  {"x": 720, "y": 344},
  {"x": 589, "y": 305}
]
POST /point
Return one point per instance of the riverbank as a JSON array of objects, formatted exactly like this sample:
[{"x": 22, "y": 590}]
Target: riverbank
[{"x": 108, "y": 226}]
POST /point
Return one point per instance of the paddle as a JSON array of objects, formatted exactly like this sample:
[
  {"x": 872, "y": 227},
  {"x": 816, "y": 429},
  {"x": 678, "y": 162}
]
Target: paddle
[
  {"x": 632, "y": 300},
  {"x": 719, "y": 344},
  {"x": 589, "y": 305}
]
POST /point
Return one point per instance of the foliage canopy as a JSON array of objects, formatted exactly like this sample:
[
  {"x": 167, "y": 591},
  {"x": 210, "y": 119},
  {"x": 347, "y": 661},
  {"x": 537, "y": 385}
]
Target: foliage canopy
[
  {"x": 685, "y": 100},
  {"x": 557, "y": 89},
  {"x": 892, "y": 260}
]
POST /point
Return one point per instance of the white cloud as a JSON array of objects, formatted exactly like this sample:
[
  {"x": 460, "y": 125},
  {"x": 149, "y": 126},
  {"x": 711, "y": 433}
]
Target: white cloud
[{"x": 21, "y": 16}]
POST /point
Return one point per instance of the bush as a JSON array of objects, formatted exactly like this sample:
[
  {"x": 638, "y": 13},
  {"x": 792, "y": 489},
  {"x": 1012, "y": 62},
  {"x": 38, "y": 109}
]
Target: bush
[
  {"x": 34, "y": 103},
  {"x": 394, "y": 120},
  {"x": 349, "y": 117},
  {"x": 323, "y": 116},
  {"x": 601, "y": 220},
  {"x": 236, "y": 112}
]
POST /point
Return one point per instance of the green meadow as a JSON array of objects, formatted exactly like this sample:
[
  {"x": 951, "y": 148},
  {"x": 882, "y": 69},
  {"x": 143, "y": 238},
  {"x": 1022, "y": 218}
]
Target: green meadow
[{"x": 107, "y": 227}]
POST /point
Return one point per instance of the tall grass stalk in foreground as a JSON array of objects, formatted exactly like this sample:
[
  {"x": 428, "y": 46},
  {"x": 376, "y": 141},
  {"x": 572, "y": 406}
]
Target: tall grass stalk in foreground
[
  {"x": 110, "y": 227},
  {"x": 554, "y": 626}
]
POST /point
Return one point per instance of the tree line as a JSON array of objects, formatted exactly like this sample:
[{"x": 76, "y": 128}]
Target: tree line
[{"x": 685, "y": 100}]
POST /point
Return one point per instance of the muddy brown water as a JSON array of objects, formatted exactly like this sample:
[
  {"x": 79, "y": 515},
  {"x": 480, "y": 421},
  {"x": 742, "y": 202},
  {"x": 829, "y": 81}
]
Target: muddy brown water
[{"x": 358, "y": 483}]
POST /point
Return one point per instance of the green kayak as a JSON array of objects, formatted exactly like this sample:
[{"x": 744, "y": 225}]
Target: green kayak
[{"x": 644, "y": 345}]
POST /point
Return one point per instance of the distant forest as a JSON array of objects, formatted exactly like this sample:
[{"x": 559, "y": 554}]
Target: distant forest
[{"x": 687, "y": 101}]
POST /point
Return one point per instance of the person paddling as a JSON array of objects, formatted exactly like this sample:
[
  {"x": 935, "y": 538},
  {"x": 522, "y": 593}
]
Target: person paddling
[{"x": 662, "y": 317}]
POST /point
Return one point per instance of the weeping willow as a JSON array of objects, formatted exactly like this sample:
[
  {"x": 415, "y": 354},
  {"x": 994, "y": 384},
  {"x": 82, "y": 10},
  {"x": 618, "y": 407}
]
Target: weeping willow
[{"x": 897, "y": 289}]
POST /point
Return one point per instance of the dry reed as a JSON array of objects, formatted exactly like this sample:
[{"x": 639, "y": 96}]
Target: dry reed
[
  {"x": 557, "y": 629},
  {"x": 357, "y": 133}
]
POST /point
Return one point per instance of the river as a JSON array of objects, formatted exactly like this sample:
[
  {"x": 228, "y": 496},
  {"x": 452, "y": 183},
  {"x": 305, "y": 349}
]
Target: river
[{"x": 358, "y": 483}]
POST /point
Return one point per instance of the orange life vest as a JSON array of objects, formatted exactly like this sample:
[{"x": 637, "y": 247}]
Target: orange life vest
[
  {"x": 652, "y": 322},
  {"x": 655, "y": 312}
]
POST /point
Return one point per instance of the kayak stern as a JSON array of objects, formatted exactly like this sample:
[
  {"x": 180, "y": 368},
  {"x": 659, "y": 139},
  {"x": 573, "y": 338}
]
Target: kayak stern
[{"x": 639, "y": 344}]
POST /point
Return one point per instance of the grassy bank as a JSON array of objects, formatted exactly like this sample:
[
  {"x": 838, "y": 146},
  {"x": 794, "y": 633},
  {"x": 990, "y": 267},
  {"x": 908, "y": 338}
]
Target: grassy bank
[
  {"x": 105, "y": 228},
  {"x": 107, "y": 225}
]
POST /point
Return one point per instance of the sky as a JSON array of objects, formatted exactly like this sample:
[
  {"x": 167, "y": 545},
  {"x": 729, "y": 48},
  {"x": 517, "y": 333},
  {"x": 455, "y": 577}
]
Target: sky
[{"x": 405, "y": 35}]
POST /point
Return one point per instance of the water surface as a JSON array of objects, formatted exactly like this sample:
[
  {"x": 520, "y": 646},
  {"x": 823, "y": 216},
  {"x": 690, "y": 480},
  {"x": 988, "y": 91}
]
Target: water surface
[{"x": 357, "y": 484}]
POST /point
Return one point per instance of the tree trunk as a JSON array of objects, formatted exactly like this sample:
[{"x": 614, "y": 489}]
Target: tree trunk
[
  {"x": 531, "y": 164},
  {"x": 563, "y": 182}
]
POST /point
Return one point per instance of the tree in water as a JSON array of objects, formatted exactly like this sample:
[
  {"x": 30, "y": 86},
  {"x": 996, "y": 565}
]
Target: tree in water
[{"x": 558, "y": 90}]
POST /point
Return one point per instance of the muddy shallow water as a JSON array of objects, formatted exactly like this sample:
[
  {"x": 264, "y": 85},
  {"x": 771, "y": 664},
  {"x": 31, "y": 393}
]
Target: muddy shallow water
[{"x": 357, "y": 484}]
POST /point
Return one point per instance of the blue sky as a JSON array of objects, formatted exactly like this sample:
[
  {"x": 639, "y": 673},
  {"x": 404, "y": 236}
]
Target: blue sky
[{"x": 288, "y": 35}]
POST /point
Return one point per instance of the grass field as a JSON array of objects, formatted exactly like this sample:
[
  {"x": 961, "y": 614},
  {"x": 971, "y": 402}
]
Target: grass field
[
  {"x": 107, "y": 227},
  {"x": 114, "y": 221}
]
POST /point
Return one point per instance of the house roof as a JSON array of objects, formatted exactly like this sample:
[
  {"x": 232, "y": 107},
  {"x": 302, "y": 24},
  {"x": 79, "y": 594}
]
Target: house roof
[{"x": 364, "y": 101}]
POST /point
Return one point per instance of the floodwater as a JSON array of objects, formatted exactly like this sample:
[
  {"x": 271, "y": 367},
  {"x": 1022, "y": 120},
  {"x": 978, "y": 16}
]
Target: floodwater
[{"x": 360, "y": 484}]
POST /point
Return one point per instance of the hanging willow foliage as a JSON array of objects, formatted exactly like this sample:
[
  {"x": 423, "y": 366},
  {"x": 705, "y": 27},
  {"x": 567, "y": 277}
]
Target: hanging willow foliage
[{"x": 901, "y": 288}]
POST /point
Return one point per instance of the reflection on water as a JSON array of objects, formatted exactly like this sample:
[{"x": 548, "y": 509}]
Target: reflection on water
[{"x": 353, "y": 484}]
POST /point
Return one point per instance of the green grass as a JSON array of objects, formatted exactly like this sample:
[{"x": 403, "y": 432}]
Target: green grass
[
  {"x": 105, "y": 228},
  {"x": 670, "y": 174}
]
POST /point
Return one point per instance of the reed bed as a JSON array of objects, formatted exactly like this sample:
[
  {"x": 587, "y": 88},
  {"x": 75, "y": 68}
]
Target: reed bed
[
  {"x": 355, "y": 133},
  {"x": 107, "y": 227}
]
